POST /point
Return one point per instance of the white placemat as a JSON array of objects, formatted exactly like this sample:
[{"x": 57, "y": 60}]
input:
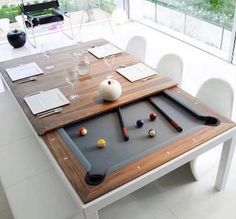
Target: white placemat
[
  {"x": 24, "y": 71},
  {"x": 136, "y": 72},
  {"x": 46, "y": 100},
  {"x": 104, "y": 50}
]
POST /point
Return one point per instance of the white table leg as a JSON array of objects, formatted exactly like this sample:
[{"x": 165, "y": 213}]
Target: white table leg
[
  {"x": 225, "y": 164},
  {"x": 90, "y": 214}
]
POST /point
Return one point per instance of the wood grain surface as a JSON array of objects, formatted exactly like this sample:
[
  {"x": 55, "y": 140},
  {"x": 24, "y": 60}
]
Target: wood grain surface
[
  {"x": 76, "y": 173},
  {"x": 89, "y": 103}
]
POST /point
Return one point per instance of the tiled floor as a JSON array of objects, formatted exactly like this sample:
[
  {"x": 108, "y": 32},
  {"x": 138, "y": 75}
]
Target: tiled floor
[
  {"x": 35, "y": 191},
  {"x": 5, "y": 211}
]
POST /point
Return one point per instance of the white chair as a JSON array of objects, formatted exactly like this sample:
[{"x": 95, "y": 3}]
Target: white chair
[
  {"x": 219, "y": 95},
  {"x": 137, "y": 47},
  {"x": 171, "y": 65},
  {"x": 5, "y": 25}
]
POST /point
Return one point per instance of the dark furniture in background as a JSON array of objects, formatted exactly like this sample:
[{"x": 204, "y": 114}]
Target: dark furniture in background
[{"x": 37, "y": 14}]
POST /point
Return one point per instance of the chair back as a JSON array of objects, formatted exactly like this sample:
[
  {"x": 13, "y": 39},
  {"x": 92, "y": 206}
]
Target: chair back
[
  {"x": 137, "y": 47},
  {"x": 171, "y": 65},
  {"x": 28, "y": 8},
  {"x": 41, "y": 13},
  {"x": 217, "y": 94}
]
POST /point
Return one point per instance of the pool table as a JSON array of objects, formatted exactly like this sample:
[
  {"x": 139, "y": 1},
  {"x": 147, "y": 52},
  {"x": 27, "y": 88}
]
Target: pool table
[
  {"x": 97, "y": 177},
  {"x": 101, "y": 162},
  {"x": 94, "y": 172}
]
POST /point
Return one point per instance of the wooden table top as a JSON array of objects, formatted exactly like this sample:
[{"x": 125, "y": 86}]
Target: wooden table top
[{"x": 89, "y": 103}]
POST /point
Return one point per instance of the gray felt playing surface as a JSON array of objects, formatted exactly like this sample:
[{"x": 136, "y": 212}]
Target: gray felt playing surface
[{"x": 117, "y": 152}]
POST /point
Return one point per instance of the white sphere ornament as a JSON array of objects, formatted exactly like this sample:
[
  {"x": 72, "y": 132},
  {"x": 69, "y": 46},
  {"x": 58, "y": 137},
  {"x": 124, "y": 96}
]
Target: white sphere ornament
[
  {"x": 119, "y": 16},
  {"x": 110, "y": 89}
]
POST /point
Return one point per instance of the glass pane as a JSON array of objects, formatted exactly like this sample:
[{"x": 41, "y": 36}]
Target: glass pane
[
  {"x": 209, "y": 21},
  {"x": 149, "y": 10},
  {"x": 170, "y": 18},
  {"x": 7, "y": 18},
  {"x": 92, "y": 10}
]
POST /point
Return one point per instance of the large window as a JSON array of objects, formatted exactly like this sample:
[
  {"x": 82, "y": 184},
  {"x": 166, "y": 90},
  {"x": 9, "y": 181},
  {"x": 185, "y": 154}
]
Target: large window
[
  {"x": 207, "y": 21},
  {"x": 90, "y": 10}
]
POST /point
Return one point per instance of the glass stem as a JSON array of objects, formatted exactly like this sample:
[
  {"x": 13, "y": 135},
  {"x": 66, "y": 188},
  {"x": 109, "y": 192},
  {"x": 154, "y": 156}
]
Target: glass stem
[
  {"x": 110, "y": 69},
  {"x": 72, "y": 88},
  {"x": 48, "y": 61}
]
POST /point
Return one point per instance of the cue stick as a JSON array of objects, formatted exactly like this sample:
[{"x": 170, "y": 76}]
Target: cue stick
[
  {"x": 123, "y": 128},
  {"x": 171, "y": 121},
  {"x": 209, "y": 120}
]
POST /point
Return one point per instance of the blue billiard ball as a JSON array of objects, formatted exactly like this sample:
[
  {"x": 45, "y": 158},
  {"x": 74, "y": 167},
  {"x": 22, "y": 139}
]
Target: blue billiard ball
[{"x": 139, "y": 123}]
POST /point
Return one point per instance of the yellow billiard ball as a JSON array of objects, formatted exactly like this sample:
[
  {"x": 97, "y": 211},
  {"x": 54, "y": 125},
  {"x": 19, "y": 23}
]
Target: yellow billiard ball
[{"x": 101, "y": 143}]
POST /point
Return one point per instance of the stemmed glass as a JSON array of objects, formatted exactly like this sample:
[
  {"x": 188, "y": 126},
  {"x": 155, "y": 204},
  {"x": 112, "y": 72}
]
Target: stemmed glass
[
  {"x": 109, "y": 60},
  {"x": 71, "y": 78},
  {"x": 46, "y": 51},
  {"x": 81, "y": 62}
]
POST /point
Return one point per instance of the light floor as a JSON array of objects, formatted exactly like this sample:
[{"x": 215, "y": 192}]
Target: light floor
[
  {"x": 25, "y": 171},
  {"x": 5, "y": 211}
]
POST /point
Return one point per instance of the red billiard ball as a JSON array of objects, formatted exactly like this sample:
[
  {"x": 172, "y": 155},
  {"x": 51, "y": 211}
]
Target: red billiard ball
[
  {"x": 153, "y": 116},
  {"x": 83, "y": 131}
]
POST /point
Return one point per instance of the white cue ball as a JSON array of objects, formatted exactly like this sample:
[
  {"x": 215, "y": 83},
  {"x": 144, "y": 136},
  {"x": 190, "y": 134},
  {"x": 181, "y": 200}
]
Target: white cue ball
[
  {"x": 83, "y": 131},
  {"x": 151, "y": 132}
]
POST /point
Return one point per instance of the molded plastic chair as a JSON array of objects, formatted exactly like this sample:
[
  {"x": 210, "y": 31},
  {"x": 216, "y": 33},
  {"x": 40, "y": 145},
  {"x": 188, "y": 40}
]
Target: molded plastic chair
[
  {"x": 137, "y": 47},
  {"x": 217, "y": 94},
  {"x": 171, "y": 65}
]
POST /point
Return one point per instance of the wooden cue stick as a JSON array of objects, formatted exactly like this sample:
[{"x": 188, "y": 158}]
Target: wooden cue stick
[
  {"x": 123, "y": 128},
  {"x": 171, "y": 121}
]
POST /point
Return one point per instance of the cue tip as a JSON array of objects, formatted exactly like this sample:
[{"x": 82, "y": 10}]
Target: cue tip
[
  {"x": 125, "y": 134},
  {"x": 177, "y": 127}
]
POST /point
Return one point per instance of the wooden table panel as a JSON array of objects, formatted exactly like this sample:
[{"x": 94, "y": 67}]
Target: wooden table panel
[{"x": 89, "y": 103}]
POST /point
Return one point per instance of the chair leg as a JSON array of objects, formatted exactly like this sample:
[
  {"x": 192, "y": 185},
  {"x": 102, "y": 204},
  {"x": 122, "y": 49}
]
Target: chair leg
[
  {"x": 34, "y": 44},
  {"x": 71, "y": 29}
]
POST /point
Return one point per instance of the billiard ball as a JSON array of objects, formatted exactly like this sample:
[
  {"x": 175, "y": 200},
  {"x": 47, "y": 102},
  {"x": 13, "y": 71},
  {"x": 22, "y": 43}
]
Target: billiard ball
[
  {"x": 153, "y": 116},
  {"x": 139, "y": 123},
  {"x": 151, "y": 132},
  {"x": 83, "y": 131},
  {"x": 101, "y": 143}
]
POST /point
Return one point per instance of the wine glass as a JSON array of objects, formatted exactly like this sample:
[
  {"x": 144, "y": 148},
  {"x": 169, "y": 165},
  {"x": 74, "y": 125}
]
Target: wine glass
[
  {"x": 71, "y": 77},
  {"x": 81, "y": 62},
  {"x": 47, "y": 52},
  {"x": 109, "y": 60}
]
